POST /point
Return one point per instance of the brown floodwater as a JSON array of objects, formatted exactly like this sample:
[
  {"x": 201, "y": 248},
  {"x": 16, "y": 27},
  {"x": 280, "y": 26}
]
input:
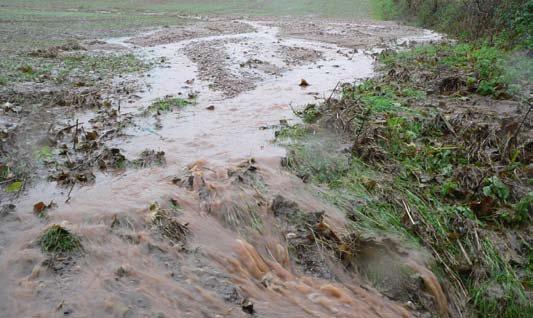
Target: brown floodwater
[{"x": 127, "y": 270}]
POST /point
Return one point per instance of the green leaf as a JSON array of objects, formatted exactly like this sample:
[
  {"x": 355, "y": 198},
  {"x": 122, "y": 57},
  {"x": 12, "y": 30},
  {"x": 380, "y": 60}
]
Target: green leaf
[
  {"x": 14, "y": 187},
  {"x": 487, "y": 191},
  {"x": 496, "y": 188}
]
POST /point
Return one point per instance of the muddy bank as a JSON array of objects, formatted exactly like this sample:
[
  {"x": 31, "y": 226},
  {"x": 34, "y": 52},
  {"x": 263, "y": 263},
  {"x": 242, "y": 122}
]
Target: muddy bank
[{"x": 424, "y": 153}]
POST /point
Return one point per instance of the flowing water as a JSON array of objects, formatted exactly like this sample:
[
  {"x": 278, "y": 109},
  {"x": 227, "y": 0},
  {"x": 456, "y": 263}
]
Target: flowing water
[{"x": 235, "y": 249}]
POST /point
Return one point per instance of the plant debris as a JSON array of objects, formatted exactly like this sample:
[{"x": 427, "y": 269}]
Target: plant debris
[
  {"x": 165, "y": 221},
  {"x": 150, "y": 158}
]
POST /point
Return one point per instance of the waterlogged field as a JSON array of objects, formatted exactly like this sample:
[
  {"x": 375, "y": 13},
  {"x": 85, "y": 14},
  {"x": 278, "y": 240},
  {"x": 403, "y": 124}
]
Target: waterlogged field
[
  {"x": 337, "y": 8},
  {"x": 36, "y": 22},
  {"x": 233, "y": 159}
]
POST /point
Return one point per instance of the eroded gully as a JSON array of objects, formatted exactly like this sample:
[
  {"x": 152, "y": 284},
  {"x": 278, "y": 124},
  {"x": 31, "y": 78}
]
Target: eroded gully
[{"x": 227, "y": 260}]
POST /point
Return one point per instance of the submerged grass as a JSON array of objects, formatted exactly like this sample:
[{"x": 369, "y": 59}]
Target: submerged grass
[
  {"x": 168, "y": 104},
  {"x": 13, "y": 173},
  {"x": 68, "y": 68}
]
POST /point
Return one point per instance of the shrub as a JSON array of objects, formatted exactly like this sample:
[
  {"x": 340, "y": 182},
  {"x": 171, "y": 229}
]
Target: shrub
[{"x": 506, "y": 22}]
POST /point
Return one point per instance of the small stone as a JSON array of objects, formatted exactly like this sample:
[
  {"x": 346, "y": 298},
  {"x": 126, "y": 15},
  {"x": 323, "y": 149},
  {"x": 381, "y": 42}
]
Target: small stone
[{"x": 247, "y": 306}]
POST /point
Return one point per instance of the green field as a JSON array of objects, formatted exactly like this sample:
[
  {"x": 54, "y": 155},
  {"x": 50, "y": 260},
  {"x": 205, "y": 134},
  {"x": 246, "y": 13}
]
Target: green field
[
  {"x": 28, "y": 24},
  {"x": 343, "y": 8}
]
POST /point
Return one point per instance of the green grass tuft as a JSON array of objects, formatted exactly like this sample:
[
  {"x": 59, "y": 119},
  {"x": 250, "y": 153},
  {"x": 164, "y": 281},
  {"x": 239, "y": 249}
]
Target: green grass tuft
[{"x": 56, "y": 240}]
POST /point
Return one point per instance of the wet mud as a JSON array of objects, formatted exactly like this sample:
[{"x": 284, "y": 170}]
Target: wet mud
[{"x": 193, "y": 215}]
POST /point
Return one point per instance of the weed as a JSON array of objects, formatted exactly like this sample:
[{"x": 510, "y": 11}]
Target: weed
[
  {"x": 380, "y": 209},
  {"x": 292, "y": 132},
  {"x": 449, "y": 187},
  {"x": 57, "y": 239},
  {"x": 496, "y": 188},
  {"x": 317, "y": 161},
  {"x": 255, "y": 219},
  {"x": 28, "y": 69},
  {"x": 103, "y": 65},
  {"x": 522, "y": 210},
  {"x": 502, "y": 294},
  {"x": 13, "y": 171},
  {"x": 166, "y": 223},
  {"x": 486, "y": 69},
  {"x": 412, "y": 92},
  {"x": 20, "y": 68},
  {"x": 44, "y": 153},
  {"x": 4, "y": 172},
  {"x": 310, "y": 114}
]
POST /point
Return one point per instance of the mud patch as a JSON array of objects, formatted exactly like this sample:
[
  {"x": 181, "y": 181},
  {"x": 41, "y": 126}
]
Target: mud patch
[
  {"x": 362, "y": 35},
  {"x": 197, "y": 29},
  {"x": 213, "y": 67},
  {"x": 299, "y": 55}
]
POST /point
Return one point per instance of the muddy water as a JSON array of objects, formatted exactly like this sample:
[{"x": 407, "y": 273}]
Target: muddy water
[
  {"x": 232, "y": 130},
  {"x": 127, "y": 270}
]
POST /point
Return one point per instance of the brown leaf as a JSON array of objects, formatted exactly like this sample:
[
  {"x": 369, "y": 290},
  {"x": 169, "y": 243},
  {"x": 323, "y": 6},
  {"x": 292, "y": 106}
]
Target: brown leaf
[
  {"x": 303, "y": 83},
  {"x": 454, "y": 235},
  {"x": 485, "y": 207},
  {"x": 91, "y": 135},
  {"x": 39, "y": 207}
]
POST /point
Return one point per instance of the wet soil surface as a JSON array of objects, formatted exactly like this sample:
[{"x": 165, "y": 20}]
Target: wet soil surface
[{"x": 174, "y": 215}]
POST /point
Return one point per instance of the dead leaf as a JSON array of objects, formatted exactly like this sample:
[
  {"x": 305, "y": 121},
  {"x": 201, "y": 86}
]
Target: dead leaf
[
  {"x": 454, "y": 235},
  {"x": 91, "y": 135},
  {"x": 39, "y": 207},
  {"x": 304, "y": 83},
  {"x": 485, "y": 207}
]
